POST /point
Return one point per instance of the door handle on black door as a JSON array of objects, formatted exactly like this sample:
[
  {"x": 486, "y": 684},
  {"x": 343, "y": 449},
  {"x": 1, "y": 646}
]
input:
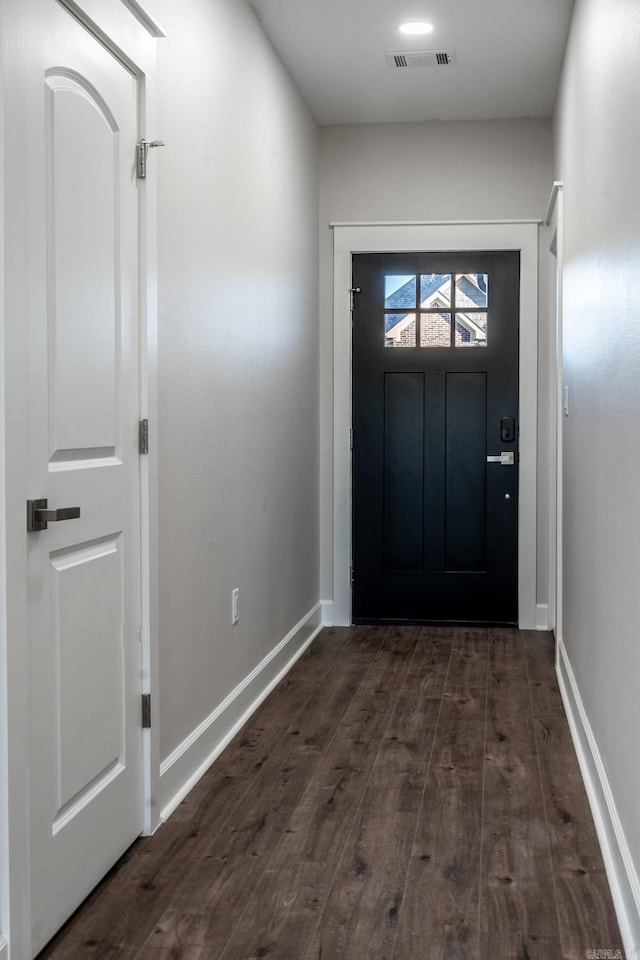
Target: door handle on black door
[
  {"x": 506, "y": 459},
  {"x": 38, "y": 516}
]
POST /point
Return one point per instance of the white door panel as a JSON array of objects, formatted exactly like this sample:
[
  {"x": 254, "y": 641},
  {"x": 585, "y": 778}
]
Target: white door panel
[
  {"x": 86, "y": 637},
  {"x": 82, "y": 138},
  {"x": 83, "y": 574}
]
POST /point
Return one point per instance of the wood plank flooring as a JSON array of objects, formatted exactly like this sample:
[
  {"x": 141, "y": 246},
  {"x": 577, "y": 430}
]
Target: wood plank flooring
[{"x": 405, "y": 793}]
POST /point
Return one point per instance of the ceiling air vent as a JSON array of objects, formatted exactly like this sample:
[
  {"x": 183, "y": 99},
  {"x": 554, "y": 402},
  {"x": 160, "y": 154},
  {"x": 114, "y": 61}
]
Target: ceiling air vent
[{"x": 420, "y": 58}]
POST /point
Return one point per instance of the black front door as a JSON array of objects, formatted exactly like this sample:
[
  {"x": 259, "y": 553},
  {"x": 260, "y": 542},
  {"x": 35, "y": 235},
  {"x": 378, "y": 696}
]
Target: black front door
[{"x": 435, "y": 397}]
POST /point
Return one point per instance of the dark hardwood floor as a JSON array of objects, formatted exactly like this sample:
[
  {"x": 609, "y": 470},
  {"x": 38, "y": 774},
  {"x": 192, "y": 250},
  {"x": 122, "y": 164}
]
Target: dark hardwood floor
[{"x": 405, "y": 793}]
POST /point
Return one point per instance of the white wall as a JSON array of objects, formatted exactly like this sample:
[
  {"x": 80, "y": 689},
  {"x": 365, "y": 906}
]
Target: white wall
[
  {"x": 238, "y": 356},
  {"x": 597, "y": 128},
  {"x": 429, "y": 171}
]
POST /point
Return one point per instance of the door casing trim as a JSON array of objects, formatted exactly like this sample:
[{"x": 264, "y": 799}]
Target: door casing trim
[
  {"x": 349, "y": 239},
  {"x": 554, "y": 223}
]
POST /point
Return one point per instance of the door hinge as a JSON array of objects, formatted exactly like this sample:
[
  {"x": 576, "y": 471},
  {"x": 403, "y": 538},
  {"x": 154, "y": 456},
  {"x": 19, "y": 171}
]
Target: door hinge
[
  {"x": 351, "y": 574},
  {"x": 142, "y": 148},
  {"x": 352, "y": 293},
  {"x": 351, "y": 438},
  {"x": 146, "y": 710},
  {"x": 143, "y": 436}
]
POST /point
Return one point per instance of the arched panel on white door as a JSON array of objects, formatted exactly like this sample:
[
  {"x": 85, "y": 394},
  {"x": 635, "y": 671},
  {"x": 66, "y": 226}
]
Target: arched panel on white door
[{"x": 84, "y": 269}]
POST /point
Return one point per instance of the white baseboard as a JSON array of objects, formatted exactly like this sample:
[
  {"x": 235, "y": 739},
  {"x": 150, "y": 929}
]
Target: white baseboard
[
  {"x": 327, "y": 613},
  {"x": 542, "y": 616},
  {"x": 192, "y": 758},
  {"x": 621, "y": 870}
]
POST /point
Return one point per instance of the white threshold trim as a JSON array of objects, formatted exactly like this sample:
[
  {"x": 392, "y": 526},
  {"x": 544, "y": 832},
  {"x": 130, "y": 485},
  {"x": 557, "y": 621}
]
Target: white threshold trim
[
  {"x": 387, "y": 237},
  {"x": 422, "y": 223},
  {"x": 182, "y": 769},
  {"x": 619, "y": 865}
]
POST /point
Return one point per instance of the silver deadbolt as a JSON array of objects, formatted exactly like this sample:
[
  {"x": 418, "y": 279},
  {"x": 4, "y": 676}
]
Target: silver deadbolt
[{"x": 39, "y": 517}]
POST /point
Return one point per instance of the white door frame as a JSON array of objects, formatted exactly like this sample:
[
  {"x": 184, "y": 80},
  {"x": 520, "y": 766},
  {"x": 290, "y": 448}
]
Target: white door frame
[
  {"x": 554, "y": 221},
  {"x": 351, "y": 238},
  {"x": 131, "y": 33}
]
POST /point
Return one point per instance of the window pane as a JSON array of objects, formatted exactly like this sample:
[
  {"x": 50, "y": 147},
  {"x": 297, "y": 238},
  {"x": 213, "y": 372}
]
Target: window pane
[
  {"x": 399, "y": 292},
  {"x": 435, "y": 290},
  {"x": 471, "y": 329},
  {"x": 472, "y": 290},
  {"x": 435, "y": 329},
  {"x": 399, "y": 330}
]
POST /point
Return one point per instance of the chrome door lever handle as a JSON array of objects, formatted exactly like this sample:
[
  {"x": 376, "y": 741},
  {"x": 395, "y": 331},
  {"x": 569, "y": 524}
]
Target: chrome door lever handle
[
  {"x": 38, "y": 516},
  {"x": 506, "y": 459}
]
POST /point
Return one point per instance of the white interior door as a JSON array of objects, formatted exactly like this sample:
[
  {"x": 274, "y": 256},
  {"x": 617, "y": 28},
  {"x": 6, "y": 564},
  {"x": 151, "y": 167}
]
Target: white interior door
[{"x": 83, "y": 574}]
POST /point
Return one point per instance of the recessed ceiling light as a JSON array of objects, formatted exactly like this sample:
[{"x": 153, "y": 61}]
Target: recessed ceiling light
[{"x": 416, "y": 29}]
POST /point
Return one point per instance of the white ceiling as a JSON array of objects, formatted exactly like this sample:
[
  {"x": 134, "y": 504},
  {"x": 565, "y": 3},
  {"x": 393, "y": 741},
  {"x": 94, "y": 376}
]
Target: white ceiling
[{"x": 509, "y": 54}]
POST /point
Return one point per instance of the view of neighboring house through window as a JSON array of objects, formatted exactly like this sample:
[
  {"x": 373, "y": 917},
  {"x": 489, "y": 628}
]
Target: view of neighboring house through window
[{"x": 419, "y": 310}]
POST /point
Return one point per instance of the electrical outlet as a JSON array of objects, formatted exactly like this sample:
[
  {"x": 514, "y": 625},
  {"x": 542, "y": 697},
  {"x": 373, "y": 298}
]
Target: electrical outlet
[{"x": 235, "y": 605}]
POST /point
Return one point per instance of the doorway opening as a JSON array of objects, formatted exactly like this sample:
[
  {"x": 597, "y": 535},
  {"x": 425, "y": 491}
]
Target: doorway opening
[{"x": 421, "y": 238}]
